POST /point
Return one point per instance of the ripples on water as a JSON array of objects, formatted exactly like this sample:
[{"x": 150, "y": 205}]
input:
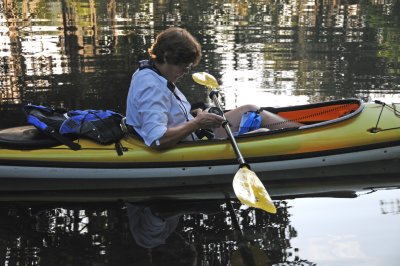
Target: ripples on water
[{"x": 81, "y": 54}]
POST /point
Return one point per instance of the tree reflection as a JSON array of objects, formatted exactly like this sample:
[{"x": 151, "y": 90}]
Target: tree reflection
[
  {"x": 99, "y": 234},
  {"x": 81, "y": 53}
]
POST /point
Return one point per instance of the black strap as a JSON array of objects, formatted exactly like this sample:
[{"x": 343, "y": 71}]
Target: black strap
[
  {"x": 119, "y": 148},
  {"x": 132, "y": 131},
  {"x": 152, "y": 66},
  {"x": 64, "y": 140}
]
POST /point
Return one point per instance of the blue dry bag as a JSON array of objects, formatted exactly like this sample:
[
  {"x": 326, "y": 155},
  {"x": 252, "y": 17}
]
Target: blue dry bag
[{"x": 250, "y": 121}]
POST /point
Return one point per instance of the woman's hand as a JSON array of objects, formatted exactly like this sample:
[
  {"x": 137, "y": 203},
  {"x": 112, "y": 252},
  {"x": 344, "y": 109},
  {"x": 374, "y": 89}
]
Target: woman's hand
[
  {"x": 173, "y": 135},
  {"x": 204, "y": 119}
]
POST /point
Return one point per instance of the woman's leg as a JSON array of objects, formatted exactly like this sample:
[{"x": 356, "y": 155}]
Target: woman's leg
[
  {"x": 234, "y": 116},
  {"x": 269, "y": 120},
  {"x": 273, "y": 121}
]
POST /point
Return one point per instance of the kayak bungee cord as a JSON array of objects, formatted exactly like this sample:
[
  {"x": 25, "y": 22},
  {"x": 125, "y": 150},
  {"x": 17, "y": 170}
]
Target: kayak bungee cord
[{"x": 396, "y": 113}]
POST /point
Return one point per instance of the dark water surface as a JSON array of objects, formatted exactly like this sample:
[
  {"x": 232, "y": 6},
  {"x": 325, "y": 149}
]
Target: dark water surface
[
  {"x": 360, "y": 229},
  {"x": 81, "y": 54}
]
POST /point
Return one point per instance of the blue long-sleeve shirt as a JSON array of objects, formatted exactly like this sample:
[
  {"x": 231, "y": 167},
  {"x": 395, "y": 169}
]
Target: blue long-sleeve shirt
[{"x": 152, "y": 107}]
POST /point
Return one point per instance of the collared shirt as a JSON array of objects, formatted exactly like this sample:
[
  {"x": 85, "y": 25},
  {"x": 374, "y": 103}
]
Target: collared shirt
[
  {"x": 152, "y": 107},
  {"x": 150, "y": 230}
]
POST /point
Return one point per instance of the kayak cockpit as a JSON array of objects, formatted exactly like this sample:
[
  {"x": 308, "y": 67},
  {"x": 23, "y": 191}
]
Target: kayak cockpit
[{"x": 318, "y": 114}]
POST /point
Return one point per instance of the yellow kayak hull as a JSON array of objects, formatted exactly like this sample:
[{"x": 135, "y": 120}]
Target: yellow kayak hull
[{"x": 365, "y": 142}]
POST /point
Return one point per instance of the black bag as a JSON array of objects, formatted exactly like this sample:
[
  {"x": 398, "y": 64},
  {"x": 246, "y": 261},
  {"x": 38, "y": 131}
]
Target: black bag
[{"x": 102, "y": 126}]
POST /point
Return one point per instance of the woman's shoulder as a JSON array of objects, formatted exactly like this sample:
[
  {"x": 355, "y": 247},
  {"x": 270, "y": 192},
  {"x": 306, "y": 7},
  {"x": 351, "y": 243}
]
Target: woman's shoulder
[
  {"x": 145, "y": 80},
  {"x": 148, "y": 76}
]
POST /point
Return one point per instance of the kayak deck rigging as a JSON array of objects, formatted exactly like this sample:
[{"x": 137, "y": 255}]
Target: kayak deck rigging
[{"x": 395, "y": 112}]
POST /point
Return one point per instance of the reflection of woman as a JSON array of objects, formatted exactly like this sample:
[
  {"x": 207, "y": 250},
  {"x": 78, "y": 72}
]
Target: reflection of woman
[
  {"x": 150, "y": 230},
  {"x": 158, "y": 111},
  {"x": 157, "y": 233}
]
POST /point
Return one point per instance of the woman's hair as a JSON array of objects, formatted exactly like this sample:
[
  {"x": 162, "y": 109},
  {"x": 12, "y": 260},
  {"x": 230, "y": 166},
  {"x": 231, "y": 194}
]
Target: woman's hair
[{"x": 175, "y": 46}]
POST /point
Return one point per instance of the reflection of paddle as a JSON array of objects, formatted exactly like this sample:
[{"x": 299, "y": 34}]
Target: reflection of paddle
[
  {"x": 246, "y": 185},
  {"x": 246, "y": 255}
]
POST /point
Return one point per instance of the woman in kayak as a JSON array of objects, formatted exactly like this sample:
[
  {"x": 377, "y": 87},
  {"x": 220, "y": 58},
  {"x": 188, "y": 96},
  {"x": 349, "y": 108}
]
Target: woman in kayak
[{"x": 156, "y": 108}]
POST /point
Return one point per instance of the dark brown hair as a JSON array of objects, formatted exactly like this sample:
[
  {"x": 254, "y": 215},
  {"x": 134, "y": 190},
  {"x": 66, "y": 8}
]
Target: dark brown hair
[{"x": 176, "y": 46}]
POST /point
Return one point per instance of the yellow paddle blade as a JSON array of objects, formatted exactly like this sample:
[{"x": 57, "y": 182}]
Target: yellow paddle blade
[
  {"x": 205, "y": 79},
  {"x": 250, "y": 191}
]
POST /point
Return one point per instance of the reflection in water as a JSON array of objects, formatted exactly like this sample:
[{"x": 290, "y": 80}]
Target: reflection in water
[
  {"x": 343, "y": 232},
  {"x": 202, "y": 232},
  {"x": 151, "y": 229},
  {"x": 391, "y": 206},
  {"x": 282, "y": 52},
  {"x": 102, "y": 234},
  {"x": 154, "y": 228}
]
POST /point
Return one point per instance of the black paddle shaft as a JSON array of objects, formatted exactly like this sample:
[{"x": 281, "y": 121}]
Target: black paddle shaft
[
  {"x": 214, "y": 96},
  {"x": 245, "y": 252}
]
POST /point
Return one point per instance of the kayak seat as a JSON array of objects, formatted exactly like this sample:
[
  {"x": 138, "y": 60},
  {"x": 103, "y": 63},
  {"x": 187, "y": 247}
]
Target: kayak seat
[{"x": 25, "y": 137}]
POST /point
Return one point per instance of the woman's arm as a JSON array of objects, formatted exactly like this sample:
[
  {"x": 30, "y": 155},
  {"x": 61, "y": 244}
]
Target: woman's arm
[{"x": 175, "y": 134}]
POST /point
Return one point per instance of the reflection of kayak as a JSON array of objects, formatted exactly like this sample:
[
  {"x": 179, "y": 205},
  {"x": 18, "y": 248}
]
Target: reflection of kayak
[{"x": 345, "y": 138}]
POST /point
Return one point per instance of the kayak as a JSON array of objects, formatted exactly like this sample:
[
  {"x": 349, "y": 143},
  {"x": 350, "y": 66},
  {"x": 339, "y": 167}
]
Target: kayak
[{"x": 339, "y": 139}]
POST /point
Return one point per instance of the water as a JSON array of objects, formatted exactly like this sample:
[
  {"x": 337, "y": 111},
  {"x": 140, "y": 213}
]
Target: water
[
  {"x": 306, "y": 231},
  {"x": 81, "y": 54},
  {"x": 360, "y": 231}
]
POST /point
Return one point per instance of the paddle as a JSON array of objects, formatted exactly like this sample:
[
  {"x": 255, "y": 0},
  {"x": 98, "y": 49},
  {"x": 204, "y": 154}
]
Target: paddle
[
  {"x": 246, "y": 254},
  {"x": 247, "y": 186}
]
